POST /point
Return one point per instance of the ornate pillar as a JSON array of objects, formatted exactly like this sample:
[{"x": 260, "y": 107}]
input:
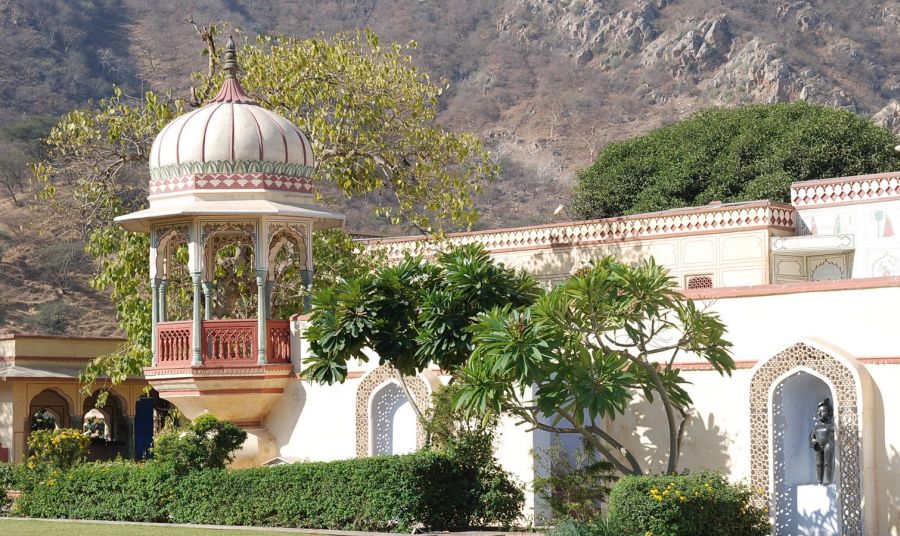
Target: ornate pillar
[
  {"x": 261, "y": 310},
  {"x": 198, "y": 322},
  {"x": 208, "y": 288},
  {"x": 162, "y": 286},
  {"x": 154, "y": 315}
]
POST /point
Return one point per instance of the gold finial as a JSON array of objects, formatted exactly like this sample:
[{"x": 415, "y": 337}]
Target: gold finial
[{"x": 230, "y": 66}]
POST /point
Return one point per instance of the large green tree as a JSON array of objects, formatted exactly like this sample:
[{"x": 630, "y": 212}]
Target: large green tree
[
  {"x": 369, "y": 111},
  {"x": 413, "y": 313},
  {"x": 588, "y": 348},
  {"x": 731, "y": 154}
]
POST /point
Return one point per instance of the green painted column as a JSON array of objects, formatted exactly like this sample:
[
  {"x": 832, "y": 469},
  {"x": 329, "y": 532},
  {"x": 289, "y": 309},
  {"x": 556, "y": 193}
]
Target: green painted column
[
  {"x": 154, "y": 315},
  {"x": 261, "y": 277},
  {"x": 198, "y": 321},
  {"x": 270, "y": 285},
  {"x": 208, "y": 288},
  {"x": 162, "y": 286}
]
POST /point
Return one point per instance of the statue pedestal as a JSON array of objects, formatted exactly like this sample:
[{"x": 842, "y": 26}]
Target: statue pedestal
[{"x": 817, "y": 510}]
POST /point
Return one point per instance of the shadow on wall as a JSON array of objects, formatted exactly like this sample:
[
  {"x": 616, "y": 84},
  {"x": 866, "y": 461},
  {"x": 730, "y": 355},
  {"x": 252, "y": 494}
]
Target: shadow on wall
[
  {"x": 886, "y": 471},
  {"x": 643, "y": 430},
  {"x": 284, "y": 417}
]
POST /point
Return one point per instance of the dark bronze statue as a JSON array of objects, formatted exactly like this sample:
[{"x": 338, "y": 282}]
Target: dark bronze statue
[{"x": 821, "y": 440}]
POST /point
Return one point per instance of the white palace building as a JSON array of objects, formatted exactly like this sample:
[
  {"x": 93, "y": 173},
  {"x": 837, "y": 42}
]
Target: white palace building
[{"x": 809, "y": 291}]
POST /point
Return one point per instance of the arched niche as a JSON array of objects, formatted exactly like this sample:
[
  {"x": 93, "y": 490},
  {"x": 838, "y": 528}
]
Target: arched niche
[
  {"x": 394, "y": 422},
  {"x": 776, "y": 383},
  {"x": 373, "y": 383}
]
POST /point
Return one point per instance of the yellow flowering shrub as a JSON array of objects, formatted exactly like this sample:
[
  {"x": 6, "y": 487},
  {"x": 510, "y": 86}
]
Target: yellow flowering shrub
[
  {"x": 61, "y": 448},
  {"x": 686, "y": 505}
]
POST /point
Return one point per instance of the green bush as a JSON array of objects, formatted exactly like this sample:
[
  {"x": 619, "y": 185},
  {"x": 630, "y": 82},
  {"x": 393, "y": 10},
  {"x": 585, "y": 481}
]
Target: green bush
[
  {"x": 119, "y": 491},
  {"x": 388, "y": 493},
  {"x": 470, "y": 440},
  {"x": 53, "y": 318},
  {"x": 206, "y": 443},
  {"x": 685, "y": 505},
  {"x": 61, "y": 448}
]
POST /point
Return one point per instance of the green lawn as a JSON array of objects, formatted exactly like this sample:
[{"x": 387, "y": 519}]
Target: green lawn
[{"x": 16, "y": 527}]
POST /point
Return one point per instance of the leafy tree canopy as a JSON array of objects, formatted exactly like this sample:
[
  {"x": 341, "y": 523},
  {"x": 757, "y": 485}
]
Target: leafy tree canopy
[
  {"x": 731, "y": 154},
  {"x": 588, "y": 347},
  {"x": 367, "y": 108},
  {"x": 412, "y": 313}
]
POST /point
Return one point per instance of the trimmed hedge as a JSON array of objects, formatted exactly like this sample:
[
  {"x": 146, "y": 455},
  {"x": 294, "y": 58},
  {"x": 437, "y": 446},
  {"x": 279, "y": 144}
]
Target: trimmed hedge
[
  {"x": 388, "y": 493},
  {"x": 115, "y": 491},
  {"x": 685, "y": 505}
]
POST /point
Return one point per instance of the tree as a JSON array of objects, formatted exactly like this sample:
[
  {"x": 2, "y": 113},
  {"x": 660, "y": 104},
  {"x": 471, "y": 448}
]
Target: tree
[
  {"x": 412, "y": 314},
  {"x": 367, "y": 109},
  {"x": 731, "y": 154},
  {"x": 588, "y": 347}
]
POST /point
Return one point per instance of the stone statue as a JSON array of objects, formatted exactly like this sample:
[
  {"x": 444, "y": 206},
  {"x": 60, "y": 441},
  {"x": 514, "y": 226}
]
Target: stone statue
[{"x": 822, "y": 441}]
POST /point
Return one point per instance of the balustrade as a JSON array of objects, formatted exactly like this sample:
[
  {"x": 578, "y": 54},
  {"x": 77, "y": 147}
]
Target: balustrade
[
  {"x": 224, "y": 342},
  {"x": 173, "y": 344}
]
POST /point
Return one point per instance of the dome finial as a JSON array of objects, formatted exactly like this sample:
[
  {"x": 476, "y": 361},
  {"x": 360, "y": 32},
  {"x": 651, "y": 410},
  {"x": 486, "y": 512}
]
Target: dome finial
[{"x": 230, "y": 66}]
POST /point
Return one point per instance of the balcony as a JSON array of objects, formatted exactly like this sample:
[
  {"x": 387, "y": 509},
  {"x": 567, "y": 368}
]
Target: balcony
[
  {"x": 224, "y": 343},
  {"x": 230, "y": 381}
]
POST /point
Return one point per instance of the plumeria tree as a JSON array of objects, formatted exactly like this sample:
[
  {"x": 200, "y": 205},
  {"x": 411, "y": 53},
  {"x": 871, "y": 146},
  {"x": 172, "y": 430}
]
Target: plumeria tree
[
  {"x": 413, "y": 314},
  {"x": 588, "y": 348},
  {"x": 369, "y": 111}
]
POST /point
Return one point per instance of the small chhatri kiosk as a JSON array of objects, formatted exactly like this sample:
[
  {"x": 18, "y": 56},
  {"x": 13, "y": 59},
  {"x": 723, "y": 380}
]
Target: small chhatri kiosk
[{"x": 231, "y": 211}]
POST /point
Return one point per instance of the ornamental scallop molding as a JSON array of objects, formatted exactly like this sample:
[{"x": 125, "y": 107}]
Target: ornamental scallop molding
[
  {"x": 846, "y": 190},
  {"x": 231, "y": 181},
  {"x": 181, "y": 231},
  {"x": 217, "y": 167},
  {"x": 241, "y": 229},
  {"x": 724, "y": 218}
]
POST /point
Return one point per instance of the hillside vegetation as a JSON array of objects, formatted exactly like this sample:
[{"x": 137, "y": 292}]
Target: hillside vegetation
[{"x": 546, "y": 83}]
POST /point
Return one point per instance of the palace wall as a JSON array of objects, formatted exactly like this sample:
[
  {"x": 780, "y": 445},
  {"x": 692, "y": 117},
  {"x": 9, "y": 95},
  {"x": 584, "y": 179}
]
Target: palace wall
[{"x": 857, "y": 323}]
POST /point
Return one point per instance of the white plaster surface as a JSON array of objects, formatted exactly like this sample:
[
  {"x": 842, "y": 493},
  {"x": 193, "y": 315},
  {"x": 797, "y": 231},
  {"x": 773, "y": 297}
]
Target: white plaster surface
[{"x": 817, "y": 511}]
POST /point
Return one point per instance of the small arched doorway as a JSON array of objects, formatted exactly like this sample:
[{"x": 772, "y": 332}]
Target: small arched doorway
[
  {"x": 107, "y": 425},
  {"x": 49, "y": 410}
]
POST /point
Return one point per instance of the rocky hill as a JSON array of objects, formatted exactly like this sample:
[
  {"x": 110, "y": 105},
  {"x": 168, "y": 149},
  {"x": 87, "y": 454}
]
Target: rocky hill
[{"x": 546, "y": 83}]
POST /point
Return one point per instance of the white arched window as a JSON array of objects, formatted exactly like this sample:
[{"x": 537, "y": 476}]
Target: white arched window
[{"x": 393, "y": 422}]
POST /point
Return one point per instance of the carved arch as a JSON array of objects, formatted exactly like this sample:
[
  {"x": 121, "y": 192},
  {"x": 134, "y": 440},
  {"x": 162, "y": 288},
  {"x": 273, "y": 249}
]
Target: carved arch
[
  {"x": 165, "y": 240},
  {"x": 215, "y": 235},
  {"x": 372, "y": 382},
  {"x": 768, "y": 376},
  {"x": 280, "y": 235}
]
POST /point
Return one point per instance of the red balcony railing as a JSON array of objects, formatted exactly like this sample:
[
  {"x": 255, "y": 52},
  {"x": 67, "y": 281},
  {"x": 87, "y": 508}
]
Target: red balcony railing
[
  {"x": 224, "y": 342},
  {"x": 173, "y": 344}
]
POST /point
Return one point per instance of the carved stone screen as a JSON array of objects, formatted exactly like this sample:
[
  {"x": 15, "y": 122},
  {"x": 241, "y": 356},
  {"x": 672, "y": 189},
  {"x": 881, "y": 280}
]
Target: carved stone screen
[{"x": 847, "y": 404}]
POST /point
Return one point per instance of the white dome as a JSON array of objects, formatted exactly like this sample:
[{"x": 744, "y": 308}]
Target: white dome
[{"x": 231, "y": 130}]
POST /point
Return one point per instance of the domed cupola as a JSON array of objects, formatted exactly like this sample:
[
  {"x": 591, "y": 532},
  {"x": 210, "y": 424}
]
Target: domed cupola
[
  {"x": 230, "y": 149},
  {"x": 231, "y": 135}
]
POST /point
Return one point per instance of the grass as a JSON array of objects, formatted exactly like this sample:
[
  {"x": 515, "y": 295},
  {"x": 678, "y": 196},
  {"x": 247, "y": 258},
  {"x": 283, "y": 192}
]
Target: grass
[{"x": 28, "y": 527}]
